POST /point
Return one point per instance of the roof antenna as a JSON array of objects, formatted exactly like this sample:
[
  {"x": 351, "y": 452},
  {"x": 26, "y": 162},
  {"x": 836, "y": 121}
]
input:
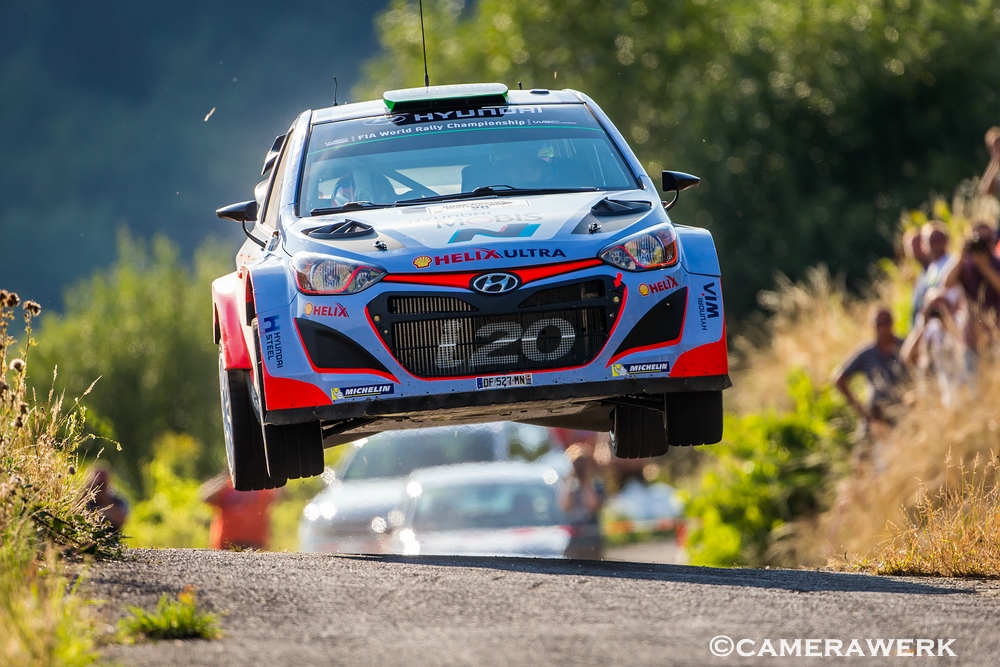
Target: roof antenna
[
  {"x": 519, "y": 86},
  {"x": 423, "y": 41},
  {"x": 335, "y": 87}
]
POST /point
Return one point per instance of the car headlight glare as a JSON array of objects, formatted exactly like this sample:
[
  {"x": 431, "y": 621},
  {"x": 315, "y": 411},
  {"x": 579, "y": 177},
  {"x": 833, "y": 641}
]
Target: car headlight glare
[
  {"x": 322, "y": 274},
  {"x": 652, "y": 249}
]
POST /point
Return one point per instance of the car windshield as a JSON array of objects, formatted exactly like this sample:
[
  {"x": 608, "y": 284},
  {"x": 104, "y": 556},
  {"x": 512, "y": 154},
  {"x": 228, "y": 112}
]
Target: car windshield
[
  {"x": 487, "y": 506},
  {"x": 443, "y": 154},
  {"x": 397, "y": 454}
]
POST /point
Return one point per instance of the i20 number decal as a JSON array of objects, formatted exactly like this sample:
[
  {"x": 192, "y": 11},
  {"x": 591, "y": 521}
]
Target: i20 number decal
[{"x": 496, "y": 343}]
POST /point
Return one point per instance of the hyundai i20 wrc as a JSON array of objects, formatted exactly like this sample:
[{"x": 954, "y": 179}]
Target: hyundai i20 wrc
[{"x": 463, "y": 254}]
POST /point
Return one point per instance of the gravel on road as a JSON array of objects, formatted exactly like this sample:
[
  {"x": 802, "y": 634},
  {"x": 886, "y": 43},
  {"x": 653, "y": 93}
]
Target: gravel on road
[{"x": 317, "y": 609}]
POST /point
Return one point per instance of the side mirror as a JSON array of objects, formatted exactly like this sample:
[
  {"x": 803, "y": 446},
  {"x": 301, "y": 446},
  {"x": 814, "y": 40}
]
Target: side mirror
[
  {"x": 245, "y": 211},
  {"x": 676, "y": 181}
]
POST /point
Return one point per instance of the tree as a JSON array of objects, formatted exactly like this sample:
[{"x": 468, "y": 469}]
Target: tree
[
  {"x": 143, "y": 330},
  {"x": 812, "y": 123}
]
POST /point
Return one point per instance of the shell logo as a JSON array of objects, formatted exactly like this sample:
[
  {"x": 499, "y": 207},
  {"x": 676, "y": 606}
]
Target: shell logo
[
  {"x": 422, "y": 262},
  {"x": 308, "y": 309},
  {"x": 644, "y": 289}
]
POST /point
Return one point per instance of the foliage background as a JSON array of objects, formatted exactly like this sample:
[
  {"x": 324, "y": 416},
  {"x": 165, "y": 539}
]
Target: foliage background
[{"x": 813, "y": 124}]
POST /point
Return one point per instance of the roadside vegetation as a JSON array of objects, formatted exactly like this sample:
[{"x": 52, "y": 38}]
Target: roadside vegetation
[
  {"x": 43, "y": 515},
  {"x": 782, "y": 489},
  {"x": 177, "y": 618}
]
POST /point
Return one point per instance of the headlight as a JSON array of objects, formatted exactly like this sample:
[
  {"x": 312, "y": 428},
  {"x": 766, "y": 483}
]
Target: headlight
[
  {"x": 321, "y": 274},
  {"x": 654, "y": 248}
]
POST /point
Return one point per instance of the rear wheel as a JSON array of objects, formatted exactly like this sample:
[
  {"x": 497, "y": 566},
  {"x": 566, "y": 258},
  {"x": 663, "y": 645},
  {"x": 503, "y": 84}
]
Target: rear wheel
[
  {"x": 638, "y": 433},
  {"x": 244, "y": 440},
  {"x": 694, "y": 418}
]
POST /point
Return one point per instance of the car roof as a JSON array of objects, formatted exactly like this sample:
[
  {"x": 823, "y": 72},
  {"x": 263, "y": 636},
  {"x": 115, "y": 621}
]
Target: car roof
[
  {"x": 481, "y": 473},
  {"x": 536, "y": 96}
]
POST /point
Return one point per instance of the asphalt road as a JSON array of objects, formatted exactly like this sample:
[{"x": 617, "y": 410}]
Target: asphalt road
[{"x": 307, "y": 609}]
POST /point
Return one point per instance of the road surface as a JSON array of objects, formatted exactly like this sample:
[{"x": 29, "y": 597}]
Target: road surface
[{"x": 310, "y": 609}]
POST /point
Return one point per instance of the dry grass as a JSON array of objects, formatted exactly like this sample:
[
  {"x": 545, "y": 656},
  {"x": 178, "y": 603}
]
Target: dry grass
[
  {"x": 42, "y": 514},
  {"x": 881, "y": 517}
]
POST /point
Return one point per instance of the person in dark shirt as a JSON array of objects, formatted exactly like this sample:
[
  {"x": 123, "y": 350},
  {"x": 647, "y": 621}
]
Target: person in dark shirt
[{"x": 881, "y": 364}]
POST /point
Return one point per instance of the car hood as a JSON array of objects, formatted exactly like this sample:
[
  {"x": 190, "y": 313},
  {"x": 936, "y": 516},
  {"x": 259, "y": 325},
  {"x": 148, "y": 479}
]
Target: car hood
[
  {"x": 534, "y": 542},
  {"x": 473, "y": 234},
  {"x": 356, "y": 502}
]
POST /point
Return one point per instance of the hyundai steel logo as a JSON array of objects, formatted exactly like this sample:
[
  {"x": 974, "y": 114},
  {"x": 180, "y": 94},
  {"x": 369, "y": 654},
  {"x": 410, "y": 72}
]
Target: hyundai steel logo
[{"x": 495, "y": 283}]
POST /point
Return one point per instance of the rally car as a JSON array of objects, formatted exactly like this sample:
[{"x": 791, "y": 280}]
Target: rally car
[{"x": 463, "y": 254}]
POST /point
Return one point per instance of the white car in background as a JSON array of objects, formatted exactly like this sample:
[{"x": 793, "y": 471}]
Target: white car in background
[
  {"x": 491, "y": 509},
  {"x": 355, "y": 513}
]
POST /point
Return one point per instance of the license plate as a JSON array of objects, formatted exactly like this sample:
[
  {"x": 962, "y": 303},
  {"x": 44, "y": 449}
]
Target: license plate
[{"x": 504, "y": 381}]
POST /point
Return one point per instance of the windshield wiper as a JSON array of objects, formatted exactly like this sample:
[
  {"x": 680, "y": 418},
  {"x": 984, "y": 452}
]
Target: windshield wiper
[
  {"x": 494, "y": 191},
  {"x": 349, "y": 206}
]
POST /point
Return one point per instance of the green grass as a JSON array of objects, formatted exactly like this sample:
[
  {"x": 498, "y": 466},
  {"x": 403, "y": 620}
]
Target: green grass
[{"x": 172, "y": 619}]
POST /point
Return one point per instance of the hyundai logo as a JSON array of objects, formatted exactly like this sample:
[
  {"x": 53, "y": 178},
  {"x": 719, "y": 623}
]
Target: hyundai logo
[{"x": 495, "y": 283}]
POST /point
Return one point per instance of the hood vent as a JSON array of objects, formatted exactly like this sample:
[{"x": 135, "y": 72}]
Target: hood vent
[
  {"x": 619, "y": 207},
  {"x": 348, "y": 229}
]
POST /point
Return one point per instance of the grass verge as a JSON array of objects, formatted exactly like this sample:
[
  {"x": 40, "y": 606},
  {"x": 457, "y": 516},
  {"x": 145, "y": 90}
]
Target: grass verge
[
  {"x": 172, "y": 619},
  {"x": 43, "y": 515}
]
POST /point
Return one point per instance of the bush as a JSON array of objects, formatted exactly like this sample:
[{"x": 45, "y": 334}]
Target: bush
[
  {"x": 143, "y": 330},
  {"x": 770, "y": 470}
]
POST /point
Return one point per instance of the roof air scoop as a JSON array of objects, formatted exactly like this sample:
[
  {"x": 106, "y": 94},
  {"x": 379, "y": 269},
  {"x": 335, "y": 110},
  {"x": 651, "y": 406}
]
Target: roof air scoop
[
  {"x": 619, "y": 207},
  {"x": 347, "y": 229}
]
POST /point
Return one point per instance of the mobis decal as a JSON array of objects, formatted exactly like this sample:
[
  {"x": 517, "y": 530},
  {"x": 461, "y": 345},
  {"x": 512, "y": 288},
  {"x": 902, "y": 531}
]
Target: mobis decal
[{"x": 708, "y": 305}]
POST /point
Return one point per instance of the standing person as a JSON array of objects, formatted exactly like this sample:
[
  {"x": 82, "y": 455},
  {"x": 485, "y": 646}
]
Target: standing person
[
  {"x": 581, "y": 498},
  {"x": 105, "y": 499},
  {"x": 881, "y": 364},
  {"x": 989, "y": 184},
  {"x": 977, "y": 271},
  {"x": 240, "y": 519},
  {"x": 934, "y": 242}
]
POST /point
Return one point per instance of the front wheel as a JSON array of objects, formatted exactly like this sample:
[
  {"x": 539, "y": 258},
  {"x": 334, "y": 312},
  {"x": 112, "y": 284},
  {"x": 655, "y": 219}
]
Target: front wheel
[
  {"x": 694, "y": 418},
  {"x": 244, "y": 439},
  {"x": 638, "y": 433}
]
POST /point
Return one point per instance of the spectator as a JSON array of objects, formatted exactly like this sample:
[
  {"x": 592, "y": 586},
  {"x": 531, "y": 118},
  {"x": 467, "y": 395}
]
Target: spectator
[
  {"x": 104, "y": 499},
  {"x": 977, "y": 271},
  {"x": 936, "y": 346},
  {"x": 881, "y": 364},
  {"x": 581, "y": 498},
  {"x": 241, "y": 519},
  {"x": 989, "y": 184},
  {"x": 934, "y": 244},
  {"x": 913, "y": 246}
]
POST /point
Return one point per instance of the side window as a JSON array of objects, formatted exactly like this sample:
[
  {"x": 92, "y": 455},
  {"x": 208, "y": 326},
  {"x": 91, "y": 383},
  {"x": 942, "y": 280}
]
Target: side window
[{"x": 274, "y": 197}]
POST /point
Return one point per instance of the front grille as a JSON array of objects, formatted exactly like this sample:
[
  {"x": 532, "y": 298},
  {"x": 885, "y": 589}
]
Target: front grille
[
  {"x": 591, "y": 289},
  {"x": 485, "y": 344},
  {"x": 418, "y": 305}
]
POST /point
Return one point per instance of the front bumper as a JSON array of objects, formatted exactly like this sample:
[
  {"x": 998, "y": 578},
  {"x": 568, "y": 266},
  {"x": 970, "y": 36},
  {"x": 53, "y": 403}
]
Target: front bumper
[{"x": 501, "y": 403}]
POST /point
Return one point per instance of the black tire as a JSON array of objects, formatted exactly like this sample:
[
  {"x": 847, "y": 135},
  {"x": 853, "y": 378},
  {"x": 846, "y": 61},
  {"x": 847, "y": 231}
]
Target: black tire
[
  {"x": 294, "y": 451},
  {"x": 244, "y": 440},
  {"x": 638, "y": 433},
  {"x": 694, "y": 418}
]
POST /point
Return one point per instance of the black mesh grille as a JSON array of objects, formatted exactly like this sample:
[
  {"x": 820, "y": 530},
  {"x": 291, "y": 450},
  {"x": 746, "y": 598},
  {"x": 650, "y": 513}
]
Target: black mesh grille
[
  {"x": 500, "y": 343},
  {"x": 592, "y": 289},
  {"x": 418, "y": 305}
]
